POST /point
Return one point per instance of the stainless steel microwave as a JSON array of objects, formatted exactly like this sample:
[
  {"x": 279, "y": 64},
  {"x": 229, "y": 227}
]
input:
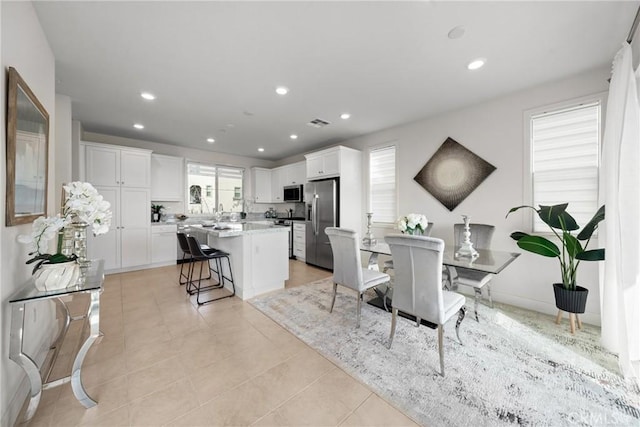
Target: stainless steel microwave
[{"x": 293, "y": 193}]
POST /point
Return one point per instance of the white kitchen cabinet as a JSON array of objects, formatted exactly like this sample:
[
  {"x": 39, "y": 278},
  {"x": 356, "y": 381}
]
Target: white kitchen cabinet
[
  {"x": 163, "y": 244},
  {"x": 299, "y": 242},
  {"x": 135, "y": 227},
  {"x": 128, "y": 242},
  {"x": 278, "y": 178},
  {"x": 261, "y": 185},
  {"x": 324, "y": 164},
  {"x": 295, "y": 174},
  {"x": 107, "y": 165},
  {"x": 107, "y": 246},
  {"x": 167, "y": 178},
  {"x": 122, "y": 175}
]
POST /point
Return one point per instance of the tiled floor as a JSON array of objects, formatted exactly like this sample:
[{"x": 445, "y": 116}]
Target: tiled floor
[{"x": 163, "y": 361}]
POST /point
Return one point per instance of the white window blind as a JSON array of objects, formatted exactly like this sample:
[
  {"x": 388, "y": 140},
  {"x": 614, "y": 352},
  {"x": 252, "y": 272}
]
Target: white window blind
[
  {"x": 382, "y": 184},
  {"x": 565, "y": 146}
]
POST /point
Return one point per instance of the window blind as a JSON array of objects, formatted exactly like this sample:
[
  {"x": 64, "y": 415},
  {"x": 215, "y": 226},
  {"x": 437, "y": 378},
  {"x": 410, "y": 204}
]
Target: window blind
[
  {"x": 382, "y": 184},
  {"x": 565, "y": 153}
]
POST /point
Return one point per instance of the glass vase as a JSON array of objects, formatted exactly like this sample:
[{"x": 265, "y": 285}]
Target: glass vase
[
  {"x": 80, "y": 242},
  {"x": 66, "y": 241}
]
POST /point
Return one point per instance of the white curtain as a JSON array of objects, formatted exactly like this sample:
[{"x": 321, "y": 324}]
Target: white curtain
[{"x": 620, "y": 191}]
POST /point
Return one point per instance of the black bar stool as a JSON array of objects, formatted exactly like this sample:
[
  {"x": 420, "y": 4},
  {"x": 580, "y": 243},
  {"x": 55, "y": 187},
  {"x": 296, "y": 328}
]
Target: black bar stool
[
  {"x": 198, "y": 254},
  {"x": 187, "y": 258}
]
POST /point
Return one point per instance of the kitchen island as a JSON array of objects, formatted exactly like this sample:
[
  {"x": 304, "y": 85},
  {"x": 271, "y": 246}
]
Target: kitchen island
[{"x": 259, "y": 254}]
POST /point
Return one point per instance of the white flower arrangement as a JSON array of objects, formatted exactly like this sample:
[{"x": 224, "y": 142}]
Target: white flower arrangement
[
  {"x": 87, "y": 205},
  {"x": 412, "y": 224},
  {"x": 83, "y": 204}
]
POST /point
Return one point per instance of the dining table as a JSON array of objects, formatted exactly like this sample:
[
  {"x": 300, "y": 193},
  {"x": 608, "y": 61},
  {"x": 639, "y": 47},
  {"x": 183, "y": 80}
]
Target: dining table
[{"x": 487, "y": 261}]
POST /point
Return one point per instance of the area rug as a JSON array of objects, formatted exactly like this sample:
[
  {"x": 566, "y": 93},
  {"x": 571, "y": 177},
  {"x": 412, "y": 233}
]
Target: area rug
[{"x": 506, "y": 372}]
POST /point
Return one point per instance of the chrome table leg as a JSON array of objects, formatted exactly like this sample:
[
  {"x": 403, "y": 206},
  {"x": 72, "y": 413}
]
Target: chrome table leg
[
  {"x": 24, "y": 361},
  {"x": 93, "y": 317}
]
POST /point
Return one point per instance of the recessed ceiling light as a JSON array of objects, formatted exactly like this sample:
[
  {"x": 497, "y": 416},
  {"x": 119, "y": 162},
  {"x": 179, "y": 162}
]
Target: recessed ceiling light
[
  {"x": 148, "y": 96},
  {"x": 261, "y": 149},
  {"x": 456, "y": 32},
  {"x": 281, "y": 90},
  {"x": 138, "y": 126},
  {"x": 293, "y": 136},
  {"x": 476, "y": 63},
  {"x": 211, "y": 140},
  {"x": 345, "y": 116}
]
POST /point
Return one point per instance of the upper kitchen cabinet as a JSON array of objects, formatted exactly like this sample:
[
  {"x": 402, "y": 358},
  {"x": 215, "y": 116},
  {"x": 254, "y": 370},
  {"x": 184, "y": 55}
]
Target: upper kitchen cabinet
[
  {"x": 278, "y": 177},
  {"x": 167, "y": 178},
  {"x": 261, "y": 185},
  {"x": 332, "y": 162},
  {"x": 325, "y": 163},
  {"x": 295, "y": 174},
  {"x": 113, "y": 166}
]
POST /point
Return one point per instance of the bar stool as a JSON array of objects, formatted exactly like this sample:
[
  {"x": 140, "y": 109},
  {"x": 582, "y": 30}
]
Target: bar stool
[
  {"x": 188, "y": 258},
  {"x": 198, "y": 254}
]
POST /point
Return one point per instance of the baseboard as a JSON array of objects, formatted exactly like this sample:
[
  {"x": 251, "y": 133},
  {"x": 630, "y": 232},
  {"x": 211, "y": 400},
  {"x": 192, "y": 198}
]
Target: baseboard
[
  {"x": 18, "y": 403},
  {"x": 139, "y": 267},
  {"x": 540, "y": 306}
]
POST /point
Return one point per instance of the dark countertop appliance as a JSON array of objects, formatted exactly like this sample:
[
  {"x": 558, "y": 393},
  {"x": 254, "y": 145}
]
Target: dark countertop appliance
[
  {"x": 287, "y": 222},
  {"x": 293, "y": 193}
]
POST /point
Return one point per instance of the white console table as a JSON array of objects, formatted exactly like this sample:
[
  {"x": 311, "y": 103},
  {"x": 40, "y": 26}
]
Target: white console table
[{"x": 90, "y": 283}]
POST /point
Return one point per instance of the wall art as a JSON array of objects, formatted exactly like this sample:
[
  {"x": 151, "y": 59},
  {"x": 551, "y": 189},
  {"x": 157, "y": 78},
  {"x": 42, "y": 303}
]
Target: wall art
[{"x": 452, "y": 173}]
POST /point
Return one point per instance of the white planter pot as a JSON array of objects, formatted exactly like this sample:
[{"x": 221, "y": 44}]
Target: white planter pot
[{"x": 52, "y": 277}]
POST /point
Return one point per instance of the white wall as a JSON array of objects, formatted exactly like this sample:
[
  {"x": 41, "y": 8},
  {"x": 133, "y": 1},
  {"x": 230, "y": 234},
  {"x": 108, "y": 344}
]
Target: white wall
[
  {"x": 495, "y": 131},
  {"x": 64, "y": 139},
  {"x": 25, "y": 48},
  {"x": 76, "y": 134}
]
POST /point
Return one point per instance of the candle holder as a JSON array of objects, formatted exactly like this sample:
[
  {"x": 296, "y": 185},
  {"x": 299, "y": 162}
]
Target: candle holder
[
  {"x": 466, "y": 247},
  {"x": 368, "y": 239}
]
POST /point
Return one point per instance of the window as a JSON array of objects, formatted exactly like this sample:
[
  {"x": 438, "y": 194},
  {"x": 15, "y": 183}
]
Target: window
[
  {"x": 565, "y": 146},
  {"x": 222, "y": 184},
  {"x": 382, "y": 184}
]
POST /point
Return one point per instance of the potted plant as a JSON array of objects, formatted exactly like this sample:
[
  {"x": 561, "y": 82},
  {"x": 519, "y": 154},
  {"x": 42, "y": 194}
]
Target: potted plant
[
  {"x": 156, "y": 211},
  {"x": 83, "y": 207},
  {"x": 569, "y": 296}
]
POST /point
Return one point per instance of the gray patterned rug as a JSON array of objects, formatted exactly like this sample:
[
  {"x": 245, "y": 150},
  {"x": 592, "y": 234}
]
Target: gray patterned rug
[{"x": 515, "y": 367}]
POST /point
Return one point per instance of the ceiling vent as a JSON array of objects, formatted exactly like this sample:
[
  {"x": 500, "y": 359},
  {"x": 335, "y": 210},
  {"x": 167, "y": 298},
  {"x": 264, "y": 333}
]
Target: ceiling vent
[{"x": 318, "y": 123}]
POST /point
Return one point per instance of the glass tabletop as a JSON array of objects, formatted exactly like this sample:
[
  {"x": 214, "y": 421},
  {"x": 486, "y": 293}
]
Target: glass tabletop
[
  {"x": 92, "y": 281},
  {"x": 488, "y": 260}
]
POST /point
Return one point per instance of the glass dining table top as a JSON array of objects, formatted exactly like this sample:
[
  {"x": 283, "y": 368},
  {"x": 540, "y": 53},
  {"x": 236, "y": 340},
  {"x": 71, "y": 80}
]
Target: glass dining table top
[
  {"x": 92, "y": 280},
  {"x": 488, "y": 260}
]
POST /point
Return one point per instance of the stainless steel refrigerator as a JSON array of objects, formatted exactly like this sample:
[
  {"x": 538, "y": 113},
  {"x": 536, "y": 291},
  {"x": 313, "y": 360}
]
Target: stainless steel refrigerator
[{"x": 321, "y": 198}]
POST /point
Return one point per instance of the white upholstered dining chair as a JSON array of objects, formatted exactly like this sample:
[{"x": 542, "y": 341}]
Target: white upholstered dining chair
[
  {"x": 418, "y": 286},
  {"x": 388, "y": 265},
  {"x": 347, "y": 266},
  {"x": 481, "y": 235}
]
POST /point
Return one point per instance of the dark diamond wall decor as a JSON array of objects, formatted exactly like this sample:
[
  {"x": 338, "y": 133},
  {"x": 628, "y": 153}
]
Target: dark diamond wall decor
[{"x": 452, "y": 173}]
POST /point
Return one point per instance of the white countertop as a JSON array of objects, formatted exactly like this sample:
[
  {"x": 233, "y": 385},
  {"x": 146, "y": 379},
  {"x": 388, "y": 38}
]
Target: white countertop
[{"x": 233, "y": 229}]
